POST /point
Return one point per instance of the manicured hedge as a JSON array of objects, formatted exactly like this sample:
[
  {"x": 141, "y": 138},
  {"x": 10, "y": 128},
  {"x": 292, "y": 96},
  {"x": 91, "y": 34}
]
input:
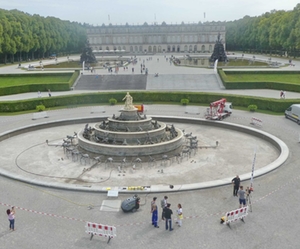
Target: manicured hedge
[
  {"x": 56, "y": 86},
  {"x": 275, "y": 105},
  {"x": 259, "y": 85}
]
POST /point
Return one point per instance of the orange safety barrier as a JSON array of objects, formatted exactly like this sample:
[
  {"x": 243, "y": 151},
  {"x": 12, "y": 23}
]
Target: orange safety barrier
[{"x": 140, "y": 108}]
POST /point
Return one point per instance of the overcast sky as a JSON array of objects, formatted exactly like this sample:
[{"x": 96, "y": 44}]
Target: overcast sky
[{"x": 97, "y": 12}]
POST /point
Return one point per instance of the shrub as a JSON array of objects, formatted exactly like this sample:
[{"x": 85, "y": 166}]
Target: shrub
[
  {"x": 184, "y": 101},
  {"x": 112, "y": 101},
  {"x": 252, "y": 108},
  {"x": 40, "y": 108}
]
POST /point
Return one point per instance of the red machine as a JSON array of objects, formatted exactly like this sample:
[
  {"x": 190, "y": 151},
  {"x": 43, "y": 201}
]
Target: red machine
[{"x": 216, "y": 110}]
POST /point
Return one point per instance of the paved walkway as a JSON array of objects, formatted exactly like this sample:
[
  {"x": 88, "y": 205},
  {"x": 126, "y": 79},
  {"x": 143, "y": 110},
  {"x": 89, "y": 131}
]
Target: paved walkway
[
  {"x": 168, "y": 80},
  {"x": 48, "y": 218},
  {"x": 259, "y": 93}
]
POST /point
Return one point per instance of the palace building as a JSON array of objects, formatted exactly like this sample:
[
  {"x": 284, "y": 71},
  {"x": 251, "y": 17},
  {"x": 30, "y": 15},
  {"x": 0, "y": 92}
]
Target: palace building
[{"x": 139, "y": 39}]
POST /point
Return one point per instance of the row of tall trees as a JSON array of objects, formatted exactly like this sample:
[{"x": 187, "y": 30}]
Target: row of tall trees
[
  {"x": 273, "y": 32},
  {"x": 24, "y": 36}
]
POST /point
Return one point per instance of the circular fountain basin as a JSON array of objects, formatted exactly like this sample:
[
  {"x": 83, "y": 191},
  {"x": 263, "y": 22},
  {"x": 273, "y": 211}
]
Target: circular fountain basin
[{"x": 132, "y": 150}]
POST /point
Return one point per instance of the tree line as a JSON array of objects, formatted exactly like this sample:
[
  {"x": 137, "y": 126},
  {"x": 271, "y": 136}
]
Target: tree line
[
  {"x": 24, "y": 36},
  {"x": 27, "y": 37},
  {"x": 275, "y": 32}
]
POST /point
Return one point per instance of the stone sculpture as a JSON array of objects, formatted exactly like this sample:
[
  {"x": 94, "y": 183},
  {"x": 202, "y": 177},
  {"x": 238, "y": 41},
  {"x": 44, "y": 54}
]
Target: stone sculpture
[
  {"x": 219, "y": 51},
  {"x": 128, "y": 102}
]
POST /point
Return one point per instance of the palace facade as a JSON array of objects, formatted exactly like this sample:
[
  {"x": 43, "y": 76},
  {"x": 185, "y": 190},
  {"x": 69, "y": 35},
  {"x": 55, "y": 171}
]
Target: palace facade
[{"x": 175, "y": 38}]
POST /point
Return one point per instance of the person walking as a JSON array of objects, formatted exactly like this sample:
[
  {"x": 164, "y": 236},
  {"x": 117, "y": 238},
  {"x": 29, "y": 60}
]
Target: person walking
[
  {"x": 153, "y": 202},
  {"x": 179, "y": 215},
  {"x": 49, "y": 93},
  {"x": 154, "y": 216},
  {"x": 163, "y": 204},
  {"x": 168, "y": 217},
  {"x": 236, "y": 184},
  {"x": 11, "y": 218},
  {"x": 242, "y": 199}
]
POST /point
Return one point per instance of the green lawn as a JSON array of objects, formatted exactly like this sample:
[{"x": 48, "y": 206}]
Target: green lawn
[
  {"x": 244, "y": 77},
  {"x": 36, "y": 79}
]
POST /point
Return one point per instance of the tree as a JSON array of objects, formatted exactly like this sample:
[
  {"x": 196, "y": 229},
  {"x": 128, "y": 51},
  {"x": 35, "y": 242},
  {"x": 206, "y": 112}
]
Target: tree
[
  {"x": 22, "y": 34},
  {"x": 274, "y": 30}
]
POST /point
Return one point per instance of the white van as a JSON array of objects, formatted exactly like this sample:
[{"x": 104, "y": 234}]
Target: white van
[
  {"x": 228, "y": 107},
  {"x": 293, "y": 113}
]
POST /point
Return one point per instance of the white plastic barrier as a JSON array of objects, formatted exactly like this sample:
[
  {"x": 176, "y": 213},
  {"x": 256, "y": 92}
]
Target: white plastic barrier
[
  {"x": 192, "y": 109},
  {"x": 101, "y": 230},
  {"x": 235, "y": 215},
  {"x": 97, "y": 109},
  {"x": 112, "y": 193},
  {"x": 256, "y": 121},
  {"x": 38, "y": 115}
]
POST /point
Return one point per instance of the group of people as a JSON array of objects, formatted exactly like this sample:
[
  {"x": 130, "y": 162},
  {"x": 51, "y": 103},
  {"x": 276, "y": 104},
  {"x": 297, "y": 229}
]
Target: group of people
[
  {"x": 239, "y": 191},
  {"x": 143, "y": 68},
  {"x": 40, "y": 94},
  {"x": 166, "y": 213}
]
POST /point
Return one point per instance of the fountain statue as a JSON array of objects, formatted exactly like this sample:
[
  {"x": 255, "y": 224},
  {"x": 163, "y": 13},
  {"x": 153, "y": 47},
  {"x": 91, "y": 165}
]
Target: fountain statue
[
  {"x": 219, "y": 51},
  {"x": 131, "y": 134},
  {"x": 128, "y": 103}
]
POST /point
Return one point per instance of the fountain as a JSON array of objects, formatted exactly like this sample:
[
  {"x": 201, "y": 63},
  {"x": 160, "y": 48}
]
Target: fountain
[
  {"x": 130, "y": 135},
  {"x": 219, "y": 51}
]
